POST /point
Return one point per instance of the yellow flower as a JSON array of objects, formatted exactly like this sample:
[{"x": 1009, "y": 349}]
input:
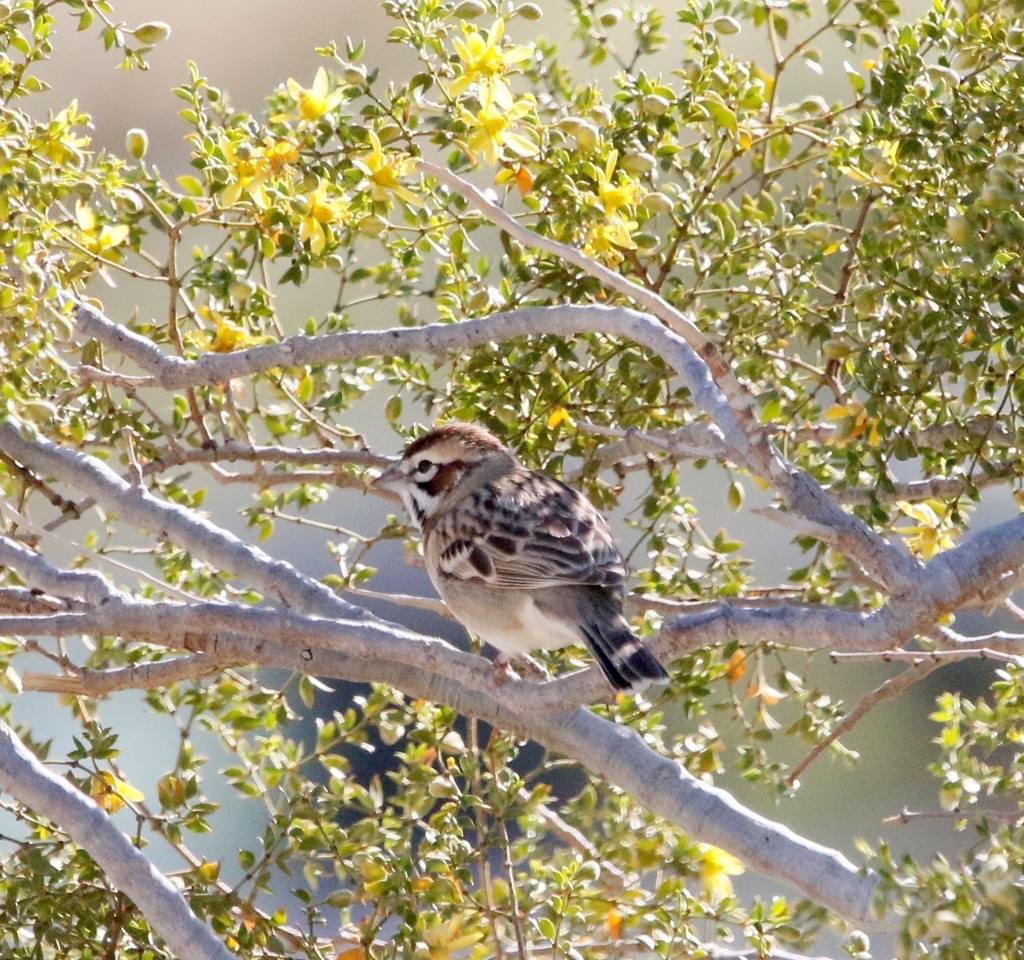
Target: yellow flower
[
  {"x": 384, "y": 170},
  {"x": 312, "y": 102},
  {"x": 279, "y": 154},
  {"x": 99, "y": 241},
  {"x": 610, "y": 195},
  {"x": 857, "y": 423},
  {"x": 716, "y": 867},
  {"x": 112, "y": 793},
  {"x": 484, "y": 62},
  {"x": 229, "y": 337},
  {"x": 321, "y": 210},
  {"x": 607, "y": 240},
  {"x": 934, "y": 530},
  {"x": 249, "y": 171},
  {"x": 61, "y": 145},
  {"x": 445, "y": 937},
  {"x": 558, "y": 416},
  {"x": 490, "y": 132}
]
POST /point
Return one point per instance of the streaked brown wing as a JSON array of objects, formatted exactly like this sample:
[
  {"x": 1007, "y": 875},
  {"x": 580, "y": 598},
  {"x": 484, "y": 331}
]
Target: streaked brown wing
[{"x": 528, "y": 531}]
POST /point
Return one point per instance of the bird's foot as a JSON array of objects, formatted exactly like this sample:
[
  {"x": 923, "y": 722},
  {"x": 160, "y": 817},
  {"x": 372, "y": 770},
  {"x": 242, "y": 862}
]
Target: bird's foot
[
  {"x": 519, "y": 666},
  {"x": 530, "y": 669},
  {"x": 503, "y": 671}
]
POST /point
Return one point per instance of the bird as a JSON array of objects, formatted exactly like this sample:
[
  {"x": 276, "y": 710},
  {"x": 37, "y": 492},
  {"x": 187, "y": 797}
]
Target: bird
[{"x": 522, "y": 560}]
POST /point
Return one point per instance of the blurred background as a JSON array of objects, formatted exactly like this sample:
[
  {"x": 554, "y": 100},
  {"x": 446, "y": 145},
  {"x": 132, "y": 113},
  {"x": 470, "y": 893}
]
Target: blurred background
[{"x": 249, "y": 47}]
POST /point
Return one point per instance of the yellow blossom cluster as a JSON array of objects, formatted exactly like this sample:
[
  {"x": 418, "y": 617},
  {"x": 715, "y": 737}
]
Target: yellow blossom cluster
[
  {"x": 490, "y": 132},
  {"x": 484, "y": 65},
  {"x": 931, "y": 532},
  {"x": 615, "y": 197},
  {"x": 311, "y": 102},
  {"x": 267, "y": 174},
  {"x": 252, "y": 168}
]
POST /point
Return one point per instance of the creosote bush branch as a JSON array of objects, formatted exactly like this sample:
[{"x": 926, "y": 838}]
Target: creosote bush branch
[{"x": 769, "y": 329}]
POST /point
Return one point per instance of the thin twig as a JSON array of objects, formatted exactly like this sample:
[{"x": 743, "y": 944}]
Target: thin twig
[
  {"x": 483, "y": 849},
  {"x": 513, "y": 892},
  {"x": 139, "y": 676},
  {"x": 404, "y": 600},
  {"x": 888, "y": 690},
  {"x": 906, "y": 816},
  {"x": 945, "y": 656}
]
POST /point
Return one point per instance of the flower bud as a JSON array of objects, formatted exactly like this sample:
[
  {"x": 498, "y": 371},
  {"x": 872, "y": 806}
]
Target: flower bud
[
  {"x": 636, "y": 162},
  {"x": 586, "y": 135},
  {"x": 654, "y": 106},
  {"x": 443, "y": 788},
  {"x": 657, "y": 203},
  {"x": 152, "y": 32},
  {"x": 469, "y": 10},
  {"x": 355, "y": 74},
  {"x": 372, "y": 225},
  {"x": 818, "y": 232},
  {"x": 137, "y": 143},
  {"x": 241, "y": 290},
  {"x": 726, "y": 25},
  {"x": 530, "y": 11},
  {"x": 691, "y": 71}
]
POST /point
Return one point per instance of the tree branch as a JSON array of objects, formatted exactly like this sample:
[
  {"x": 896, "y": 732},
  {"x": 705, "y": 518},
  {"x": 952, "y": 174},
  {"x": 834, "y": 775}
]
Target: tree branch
[
  {"x": 885, "y": 562},
  {"x": 698, "y": 440},
  {"x": 233, "y": 451},
  {"x": 691, "y": 442},
  {"x": 84, "y": 585},
  {"x": 430, "y": 669},
  {"x": 371, "y": 650},
  {"x": 51, "y": 796},
  {"x": 134, "y": 504},
  {"x": 888, "y": 690},
  {"x": 139, "y": 676}
]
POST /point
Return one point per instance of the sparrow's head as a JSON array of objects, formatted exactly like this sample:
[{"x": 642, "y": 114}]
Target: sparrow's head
[{"x": 436, "y": 463}]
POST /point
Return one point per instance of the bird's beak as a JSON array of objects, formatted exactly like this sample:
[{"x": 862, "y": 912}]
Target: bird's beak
[{"x": 390, "y": 479}]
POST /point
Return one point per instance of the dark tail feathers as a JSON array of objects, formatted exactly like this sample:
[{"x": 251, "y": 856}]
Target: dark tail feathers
[{"x": 626, "y": 662}]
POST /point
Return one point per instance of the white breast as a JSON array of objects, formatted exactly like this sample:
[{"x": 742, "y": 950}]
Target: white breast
[{"x": 508, "y": 620}]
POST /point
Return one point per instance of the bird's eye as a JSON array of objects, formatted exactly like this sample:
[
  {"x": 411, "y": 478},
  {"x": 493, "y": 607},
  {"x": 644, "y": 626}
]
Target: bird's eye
[{"x": 423, "y": 466}]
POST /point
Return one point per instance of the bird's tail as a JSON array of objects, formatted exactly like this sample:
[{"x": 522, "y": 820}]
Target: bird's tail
[{"x": 626, "y": 662}]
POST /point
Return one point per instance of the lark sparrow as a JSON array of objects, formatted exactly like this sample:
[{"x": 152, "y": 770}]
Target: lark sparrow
[{"x": 521, "y": 560}]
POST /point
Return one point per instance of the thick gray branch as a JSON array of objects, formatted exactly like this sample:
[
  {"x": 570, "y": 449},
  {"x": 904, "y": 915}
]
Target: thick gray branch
[
  {"x": 51, "y": 796},
  {"x": 617, "y": 753},
  {"x": 168, "y": 521},
  {"x": 431, "y": 669},
  {"x": 697, "y": 440},
  {"x": 83, "y": 585},
  {"x": 883, "y": 561},
  {"x": 372, "y": 650}
]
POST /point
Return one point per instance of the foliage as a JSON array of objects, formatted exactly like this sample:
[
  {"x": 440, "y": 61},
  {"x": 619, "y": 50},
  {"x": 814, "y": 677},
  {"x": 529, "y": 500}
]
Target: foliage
[{"x": 859, "y": 263}]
